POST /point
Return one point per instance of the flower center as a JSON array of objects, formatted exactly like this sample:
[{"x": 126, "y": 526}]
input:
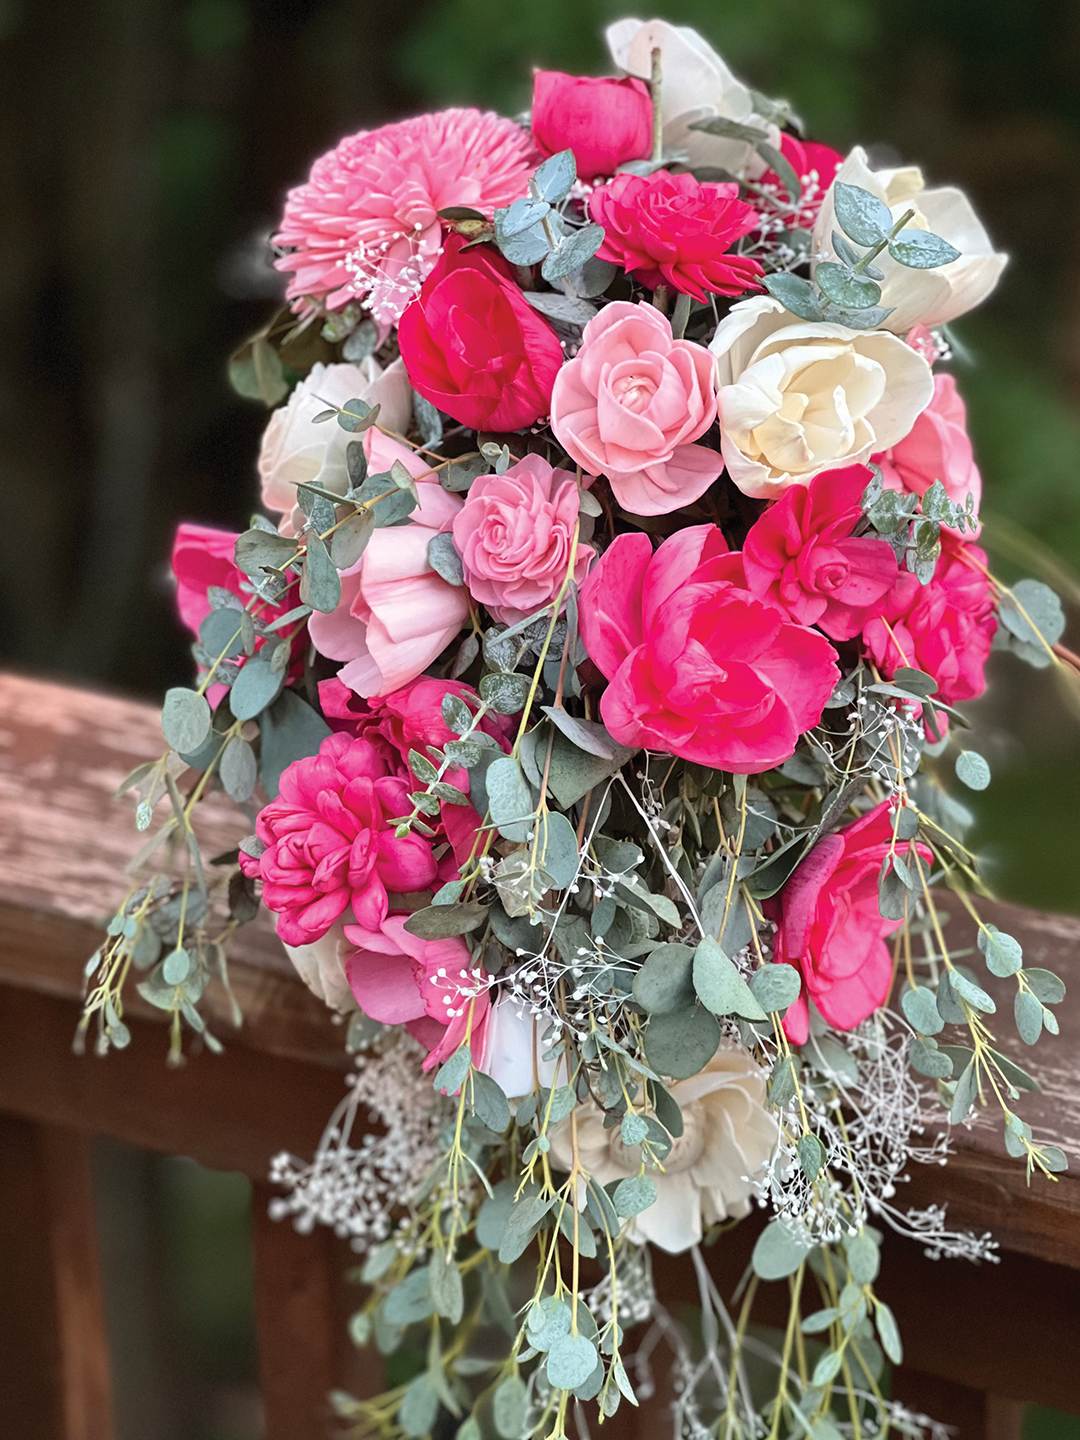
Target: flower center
[{"x": 635, "y": 392}]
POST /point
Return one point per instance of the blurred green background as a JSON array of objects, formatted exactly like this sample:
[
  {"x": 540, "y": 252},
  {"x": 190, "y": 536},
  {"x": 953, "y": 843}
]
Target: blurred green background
[{"x": 145, "y": 147}]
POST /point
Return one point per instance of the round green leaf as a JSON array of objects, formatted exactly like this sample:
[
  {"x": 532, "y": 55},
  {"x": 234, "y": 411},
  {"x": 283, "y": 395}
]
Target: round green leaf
[
  {"x": 666, "y": 980},
  {"x": 682, "y": 1043},
  {"x": 633, "y": 1195},
  {"x": 185, "y": 719},
  {"x": 570, "y": 1362},
  {"x": 973, "y": 770},
  {"x": 778, "y": 1253},
  {"x": 254, "y": 689}
]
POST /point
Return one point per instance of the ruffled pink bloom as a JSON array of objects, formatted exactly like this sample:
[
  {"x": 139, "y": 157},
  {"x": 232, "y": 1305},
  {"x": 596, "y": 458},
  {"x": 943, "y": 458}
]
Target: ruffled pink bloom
[
  {"x": 330, "y": 844},
  {"x": 937, "y": 447},
  {"x": 473, "y": 345},
  {"x": 430, "y": 985},
  {"x": 396, "y": 614},
  {"x": 672, "y": 230},
  {"x": 815, "y": 165},
  {"x": 830, "y": 927},
  {"x": 514, "y": 535},
  {"x": 698, "y": 666},
  {"x": 801, "y": 556},
  {"x": 629, "y": 404},
  {"x": 366, "y": 224},
  {"x": 603, "y": 121},
  {"x": 945, "y": 628},
  {"x": 411, "y": 719}
]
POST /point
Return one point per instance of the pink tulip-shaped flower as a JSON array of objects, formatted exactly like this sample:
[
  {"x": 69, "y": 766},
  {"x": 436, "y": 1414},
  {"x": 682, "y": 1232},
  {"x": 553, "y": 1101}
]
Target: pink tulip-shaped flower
[
  {"x": 631, "y": 402},
  {"x": 432, "y": 986},
  {"x": 603, "y": 121},
  {"x": 395, "y": 614}
]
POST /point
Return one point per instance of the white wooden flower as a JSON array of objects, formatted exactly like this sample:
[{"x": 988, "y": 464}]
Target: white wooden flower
[
  {"x": 920, "y": 297},
  {"x": 728, "y": 1138}
]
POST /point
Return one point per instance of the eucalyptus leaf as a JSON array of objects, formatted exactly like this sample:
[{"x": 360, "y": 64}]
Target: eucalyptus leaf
[
  {"x": 576, "y": 248},
  {"x": 795, "y": 294},
  {"x": 920, "y": 250},
  {"x": 973, "y": 770},
  {"x": 570, "y": 1362},
  {"x": 350, "y": 539},
  {"x": 665, "y": 981},
  {"x": 510, "y": 801},
  {"x": 843, "y": 287},
  {"x": 554, "y": 178},
  {"x": 719, "y": 985},
  {"x": 862, "y": 216},
  {"x": 238, "y": 770},
  {"x": 682, "y": 1042},
  {"x": 289, "y": 730},
  {"x": 320, "y": 584},
  {"x": 633, "y": 1195},
  {"x": 185, "y": 719},
  {"x": 570, "y": 309},
  {"x": 778, "y": 1252},
  {"x": 489, "y": 1102},
  {"x": 254, "y": 688},
  {"x": 775, "y": 986},
  {"x": 558, "y": 848},
  {"x": 1004, "y": 955}
]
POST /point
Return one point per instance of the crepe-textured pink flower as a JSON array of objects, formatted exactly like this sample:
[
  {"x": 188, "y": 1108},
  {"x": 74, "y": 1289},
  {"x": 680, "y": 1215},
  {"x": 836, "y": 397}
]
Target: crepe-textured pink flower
[
  {"x": 945, "y": 628},
  {"x": 631, "y": 402},
  {"x": 697, "y": 666},
  {"x": 330, "y": 844},
  {"x": 802, "y": 556},
  {"x": 366, "y": 224},
  {"x": 672, "y": 230},
  {"x": 830, "y": 928},
  {"x": 514, "y": 535},
  {"x": 395, "y": 614}
]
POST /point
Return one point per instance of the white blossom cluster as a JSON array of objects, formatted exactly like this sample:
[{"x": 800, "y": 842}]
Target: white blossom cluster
[{"x": 358, "y": 1189}]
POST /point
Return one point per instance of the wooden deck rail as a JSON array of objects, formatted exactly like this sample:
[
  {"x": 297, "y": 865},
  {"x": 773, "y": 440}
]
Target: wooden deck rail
[{"x": 980, "y": 1340}]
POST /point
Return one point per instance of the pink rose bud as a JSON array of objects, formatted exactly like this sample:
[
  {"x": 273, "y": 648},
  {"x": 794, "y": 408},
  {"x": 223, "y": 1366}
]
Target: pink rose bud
[{"x": 604, "y": 122}]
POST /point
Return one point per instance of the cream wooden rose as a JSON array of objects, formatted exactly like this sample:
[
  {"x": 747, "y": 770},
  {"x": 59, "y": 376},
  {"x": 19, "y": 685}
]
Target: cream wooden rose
[
  {"x": 728, "y": 1138},
  {"x": 920, "y": 297},
  {"x": 799, "y": 397}
]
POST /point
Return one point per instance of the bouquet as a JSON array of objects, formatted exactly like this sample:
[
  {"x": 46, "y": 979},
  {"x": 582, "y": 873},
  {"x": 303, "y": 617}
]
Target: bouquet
[{"x": 590, "y": 679}]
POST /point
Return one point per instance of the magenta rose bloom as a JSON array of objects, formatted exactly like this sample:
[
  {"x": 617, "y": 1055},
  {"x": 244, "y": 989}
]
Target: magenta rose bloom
[
  {"x": 672, "y": 230},
  {"x": 698, "y": 666},
  {"x": 815, "y": 165},
  {"x": 801, "y": 555},
  {"x": 629, "y": 404},
  {"x": 473, "y": 345},
  {"x": 514, "y": 535},
  {"x": 945, "y": 628},
  {"x": 830, "y": 928},
  {"x": 330, "y": 844},
  {"x": 937, "y": 447},
  {"x": 604, "y": 122}
]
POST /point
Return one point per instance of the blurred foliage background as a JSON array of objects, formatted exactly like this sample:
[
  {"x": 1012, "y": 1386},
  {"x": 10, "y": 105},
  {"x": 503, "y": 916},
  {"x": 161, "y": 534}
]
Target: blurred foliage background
[{"x": 145, "y": 148}]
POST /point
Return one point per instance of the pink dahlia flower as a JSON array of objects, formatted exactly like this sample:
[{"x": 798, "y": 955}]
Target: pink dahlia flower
[
  {"x": 330, "y": 846},
  {"x": 830, "y": 928},
  {"x": 366, "y": 222},
  {"x": 698, "y": 667},
  {"x": 672, "y": 230},
  {"x": 514, "y": 535},
  {"x": 801, "y": 555}
]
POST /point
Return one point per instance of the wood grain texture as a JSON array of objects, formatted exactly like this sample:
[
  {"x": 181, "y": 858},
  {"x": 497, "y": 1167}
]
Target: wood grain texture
[{"x": 54, "y": 1376}]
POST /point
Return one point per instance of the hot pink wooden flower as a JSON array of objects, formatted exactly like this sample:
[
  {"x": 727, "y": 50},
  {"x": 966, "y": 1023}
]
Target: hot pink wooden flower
[
  {"x": 699, "y": 667},
  {"x": 365, "y": 224},
  {"x": 330, "y": 846},
  {"x": 945, "y": 628},
  {"x": 801, "y": 555},
  {"x": 672, "y": 230},
  {"x": 830, "y": 927}
]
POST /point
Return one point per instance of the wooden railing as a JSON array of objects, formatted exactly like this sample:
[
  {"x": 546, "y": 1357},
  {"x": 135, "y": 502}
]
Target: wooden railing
[{"x": 980, "y": 1341}]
